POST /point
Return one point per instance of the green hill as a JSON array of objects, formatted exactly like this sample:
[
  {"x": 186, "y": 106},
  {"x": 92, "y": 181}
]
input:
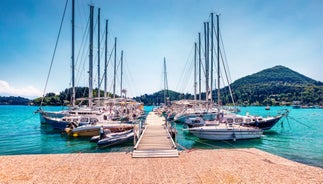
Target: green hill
[
  {"x": 278, "y": 74},
  {"x": 275, "y": 86}
]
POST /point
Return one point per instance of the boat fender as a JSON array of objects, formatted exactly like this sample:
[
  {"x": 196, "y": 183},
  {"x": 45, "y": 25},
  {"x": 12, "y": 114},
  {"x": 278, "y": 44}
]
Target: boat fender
[
  {"x": 67, "y": 130},
  {"x": 234, "y": 136}
]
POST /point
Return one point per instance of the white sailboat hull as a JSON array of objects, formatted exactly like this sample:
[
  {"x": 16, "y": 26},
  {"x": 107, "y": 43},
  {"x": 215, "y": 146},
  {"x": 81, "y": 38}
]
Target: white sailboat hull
[{"x": 223, "y": 132}]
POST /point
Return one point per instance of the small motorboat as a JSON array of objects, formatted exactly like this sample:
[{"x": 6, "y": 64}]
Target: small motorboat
[
  {"x": 93, "y": 130},
  {"x": 116, "y": 138},
  {"x": 96, "y": 138}
]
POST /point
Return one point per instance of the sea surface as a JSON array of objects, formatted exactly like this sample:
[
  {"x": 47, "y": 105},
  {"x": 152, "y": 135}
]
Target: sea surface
[{"x": 298, "y": 137}]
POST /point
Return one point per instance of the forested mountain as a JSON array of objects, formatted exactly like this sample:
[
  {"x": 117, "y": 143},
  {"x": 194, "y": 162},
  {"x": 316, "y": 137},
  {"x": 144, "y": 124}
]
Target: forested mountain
[
  {"x": 278, "y": 74},
  {"x": 275, "y": 86}
]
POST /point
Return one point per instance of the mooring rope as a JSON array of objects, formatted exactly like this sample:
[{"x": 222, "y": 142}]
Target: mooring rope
[
  {"x": 299, "y": 121},
  {"x": 32, "y": 116}
]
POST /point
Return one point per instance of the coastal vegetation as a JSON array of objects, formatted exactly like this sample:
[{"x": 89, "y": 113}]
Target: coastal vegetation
[
  {"x": 159, "y": 97},
  {"x": 63, "y": 98},
  {"x": 278, "y": 85}
]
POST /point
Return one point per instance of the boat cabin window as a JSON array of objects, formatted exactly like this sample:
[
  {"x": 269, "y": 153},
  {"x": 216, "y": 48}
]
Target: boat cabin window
[
  {"x": 195, "y": 121},
  {"x": 93, "y": 120},
  {"x": 84, "y": 119},
  {"x": 238, "y": 120},
  {"x": 229, "y": 120}
]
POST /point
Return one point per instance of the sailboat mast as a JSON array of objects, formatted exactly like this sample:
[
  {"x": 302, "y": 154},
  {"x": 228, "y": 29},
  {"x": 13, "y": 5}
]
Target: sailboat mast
[
  {"x": 121, "y": 73},
  {"x": 91, "y": 58},
  {"x": 200, "y": 63},
  {"x": 212, "y": 47},
  {"x": 73, "y": 50},
  {"x": 195, "y": 84},
  {"x": 206, "y": 25},
  {"x": 218, "y": 56},
  {"x": 115, "y": 67},
  {"x": 99, "y": 76},
  {"x": 208, "y": 59},
  {"x": 105, "y": 58},
  {"x": 165, "y": 82}
]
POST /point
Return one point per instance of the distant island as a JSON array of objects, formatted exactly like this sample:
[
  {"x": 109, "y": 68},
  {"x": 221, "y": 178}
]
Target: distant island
[
  {"x": 278, "y": 85},
  {"x": 12, "y": 100}
]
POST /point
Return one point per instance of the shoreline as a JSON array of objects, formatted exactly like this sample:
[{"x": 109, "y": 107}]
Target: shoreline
[{"x": 192, "y": 166}]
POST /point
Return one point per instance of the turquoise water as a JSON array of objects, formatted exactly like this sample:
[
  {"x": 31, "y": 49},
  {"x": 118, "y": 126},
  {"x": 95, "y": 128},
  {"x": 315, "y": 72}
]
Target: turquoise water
[{"x": 298, "y": 138}]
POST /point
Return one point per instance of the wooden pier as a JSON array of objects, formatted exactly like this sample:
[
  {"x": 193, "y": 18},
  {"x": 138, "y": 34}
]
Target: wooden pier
[{"x": 155, "y": 141}]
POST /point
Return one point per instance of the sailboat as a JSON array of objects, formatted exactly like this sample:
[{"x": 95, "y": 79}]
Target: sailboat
[
  {"x": 221, "y": 128},
  {"x": 264, "y": 123},
  {"x": 115, "y": 111},
  {"x": 192, "y": 109},
  {"x": 197, "y": 108},
  {"x": 49, "y": 117}
]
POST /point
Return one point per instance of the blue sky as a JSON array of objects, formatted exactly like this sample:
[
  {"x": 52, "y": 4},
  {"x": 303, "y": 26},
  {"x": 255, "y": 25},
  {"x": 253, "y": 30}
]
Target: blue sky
[{"x": 257, "y": 34}]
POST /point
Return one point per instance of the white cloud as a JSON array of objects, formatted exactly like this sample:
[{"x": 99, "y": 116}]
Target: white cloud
[{"x": 27, "y": 92}]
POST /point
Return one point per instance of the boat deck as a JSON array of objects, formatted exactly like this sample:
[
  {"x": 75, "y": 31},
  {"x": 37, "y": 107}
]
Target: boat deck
[{"x": 155, "y": 141}]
